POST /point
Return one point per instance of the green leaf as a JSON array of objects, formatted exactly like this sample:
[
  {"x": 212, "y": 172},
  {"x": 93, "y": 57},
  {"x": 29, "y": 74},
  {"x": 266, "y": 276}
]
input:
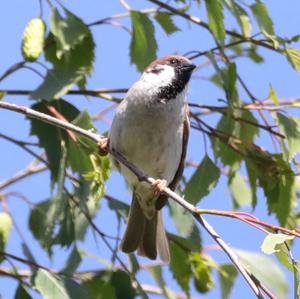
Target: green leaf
[
  {"x": 296, "y": 265},
  {"x": 5, "y": 228},
  {"x": 70, "y": 67},
  {"x": 165, "y": 21},
  {"x": 180, "y": 267},
  {"x": 240, "y": 192},
  {"x": 293, "y": 56},
  {"x": 290, "y": 127},
  {"x": 202, "y": 271},
  {"x": 203, "y": 180},
  {"x": 271, "y": 242},
  {"x": 21, "y": 293},
  {"x": 122, "y": 285},
  {"x": 283, "y": 257},
  {"x": 264, "y": 21},
  {"x": 54, "y": 286},
  {"x": 33, "y": 39},
  {"x": 68, "y": 31},
  {"x": 183, "y": 220},
  {"x": 121, "y": 208},
  {"x": 99, "y": 287},
  {"x": 143, "y": 45},
  {"x": 273, "y": 96},
  {"x": 73, "y": 262},
  {"x": 215, "y": 16},
  {"x": 270, "y": 274},
  {"x": 2, "y": 95},
  {"x": 50, "y": 137},
  {"x": 227, "y": 276},
  {"x": 241, "y": 16}
]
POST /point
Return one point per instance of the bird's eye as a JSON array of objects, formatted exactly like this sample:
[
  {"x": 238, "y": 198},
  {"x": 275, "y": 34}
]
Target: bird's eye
[{"x": 173, "y": 61}]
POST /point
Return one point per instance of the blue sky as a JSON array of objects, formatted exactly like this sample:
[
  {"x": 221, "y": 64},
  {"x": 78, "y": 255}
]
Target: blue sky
[{"x": 113, "y": 69}]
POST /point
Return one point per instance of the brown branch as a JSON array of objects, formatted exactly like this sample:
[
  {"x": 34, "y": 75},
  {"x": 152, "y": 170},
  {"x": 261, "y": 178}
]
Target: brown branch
[{"x": 143, "y": 177}]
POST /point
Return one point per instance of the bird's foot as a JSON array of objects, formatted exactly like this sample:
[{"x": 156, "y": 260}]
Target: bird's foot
[
  {"x": 103, "y": 146},
  {"x": 159, "y": 186}
]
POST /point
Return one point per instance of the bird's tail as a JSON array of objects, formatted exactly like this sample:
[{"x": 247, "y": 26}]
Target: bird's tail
[{"x": 146, "y": 236}]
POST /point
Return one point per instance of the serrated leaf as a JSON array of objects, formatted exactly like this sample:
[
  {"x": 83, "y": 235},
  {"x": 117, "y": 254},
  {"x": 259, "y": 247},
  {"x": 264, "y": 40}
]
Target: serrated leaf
[
  {"x": 203, "y": 180},
  {"x": 180, "y": 267},
  {"x": 21, "y": 293},
  {"x": 293, "y": 56},
  {"x": 264, "y": 21},
  {"x": 272, "y": 95},
  {"x": 165, "y": 21},
  {"x": 71, "y": 67},
  {"x": 240, "y": 192},
  {"x": 69, "y": 31},
  {"x": 53, "y": 286},
  {"x": 290, "y": 127},
  {"x": 270, "y": 274},
  {"x": 241, "y": 16},
  {"x": 5, "y": 228},
  {"x": 215, "y": 16},
  {"x": 143, "y": 45},
  {"x": 271, "y": 241},
  {"x": 227, "y": 276},
  {"x": 33, "y": 39}
]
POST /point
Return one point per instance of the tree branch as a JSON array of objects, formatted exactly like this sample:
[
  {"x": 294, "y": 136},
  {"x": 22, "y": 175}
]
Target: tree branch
[{"x": 142, "y": 177}]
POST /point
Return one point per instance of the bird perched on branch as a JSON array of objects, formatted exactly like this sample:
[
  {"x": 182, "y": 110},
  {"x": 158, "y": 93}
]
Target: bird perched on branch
[{"x": 151, "y": 129}]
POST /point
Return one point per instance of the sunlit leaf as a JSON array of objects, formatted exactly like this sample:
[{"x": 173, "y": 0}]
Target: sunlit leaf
[
  {"x": 273, "y": 96},
  {"x": 5, "y": 228},
  {"x": 270, "y": 274},
  {"x": 293, "y": 56},
  {"x": 33, "y": 39},
  {"x": 203, "y": 180},
  {"x": 264, "y": 21},
  {"x": 296, "y": 266},
  {"x": 215, "y": 16},
  {"x": 143, "y": 45},
  {"x": 271, "y": 241},
  {"x": 241, "y": 16},
  {"x": 240, "y": 192}
]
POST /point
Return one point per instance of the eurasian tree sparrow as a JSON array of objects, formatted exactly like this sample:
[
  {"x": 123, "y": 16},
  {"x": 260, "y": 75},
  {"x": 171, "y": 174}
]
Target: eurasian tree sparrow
[{"x": 151, "y": 129}]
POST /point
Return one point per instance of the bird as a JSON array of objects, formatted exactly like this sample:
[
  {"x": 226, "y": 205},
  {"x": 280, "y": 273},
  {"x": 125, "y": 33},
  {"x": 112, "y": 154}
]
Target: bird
[{"x": 150, "y": 129}]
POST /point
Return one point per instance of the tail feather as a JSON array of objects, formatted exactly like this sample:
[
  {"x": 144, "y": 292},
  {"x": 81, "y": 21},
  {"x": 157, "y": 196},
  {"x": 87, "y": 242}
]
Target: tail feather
[
  {"x": 135, "y": 227},
  {"x": 148, "y": 236}
]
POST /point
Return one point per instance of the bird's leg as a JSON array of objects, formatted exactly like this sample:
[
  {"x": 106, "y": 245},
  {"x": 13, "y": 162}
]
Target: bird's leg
[
  {"x": 159, "y": 186},
  {"x": 103, "y": 146}
]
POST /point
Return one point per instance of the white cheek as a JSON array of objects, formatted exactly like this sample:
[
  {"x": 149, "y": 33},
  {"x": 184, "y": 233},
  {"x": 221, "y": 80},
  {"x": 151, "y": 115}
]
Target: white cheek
[{"x": 163, "y": 78}]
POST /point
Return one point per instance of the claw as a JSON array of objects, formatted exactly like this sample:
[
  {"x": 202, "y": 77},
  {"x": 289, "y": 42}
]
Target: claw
[
  {"x": 103, "y": 146},
  {"x": 159, "y": 186}
]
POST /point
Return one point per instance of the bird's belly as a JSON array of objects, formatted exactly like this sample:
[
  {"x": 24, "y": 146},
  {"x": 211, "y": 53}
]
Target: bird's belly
[{"x": 155, "y": 151}]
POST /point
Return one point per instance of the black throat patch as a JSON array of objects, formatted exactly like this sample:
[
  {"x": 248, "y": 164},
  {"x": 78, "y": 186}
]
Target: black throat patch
[{"x": 177, "y": 85}]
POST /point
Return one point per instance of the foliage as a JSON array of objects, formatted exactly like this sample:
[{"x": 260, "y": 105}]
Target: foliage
[{"x": 65, "y": 45}]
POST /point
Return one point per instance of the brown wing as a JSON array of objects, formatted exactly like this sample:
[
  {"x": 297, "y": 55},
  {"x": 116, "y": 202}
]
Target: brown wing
[{"x": 162, "y": 200}]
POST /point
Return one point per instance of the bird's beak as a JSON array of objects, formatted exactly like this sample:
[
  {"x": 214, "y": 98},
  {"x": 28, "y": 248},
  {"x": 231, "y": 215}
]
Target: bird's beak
[{"x": 188, "y": 67}]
